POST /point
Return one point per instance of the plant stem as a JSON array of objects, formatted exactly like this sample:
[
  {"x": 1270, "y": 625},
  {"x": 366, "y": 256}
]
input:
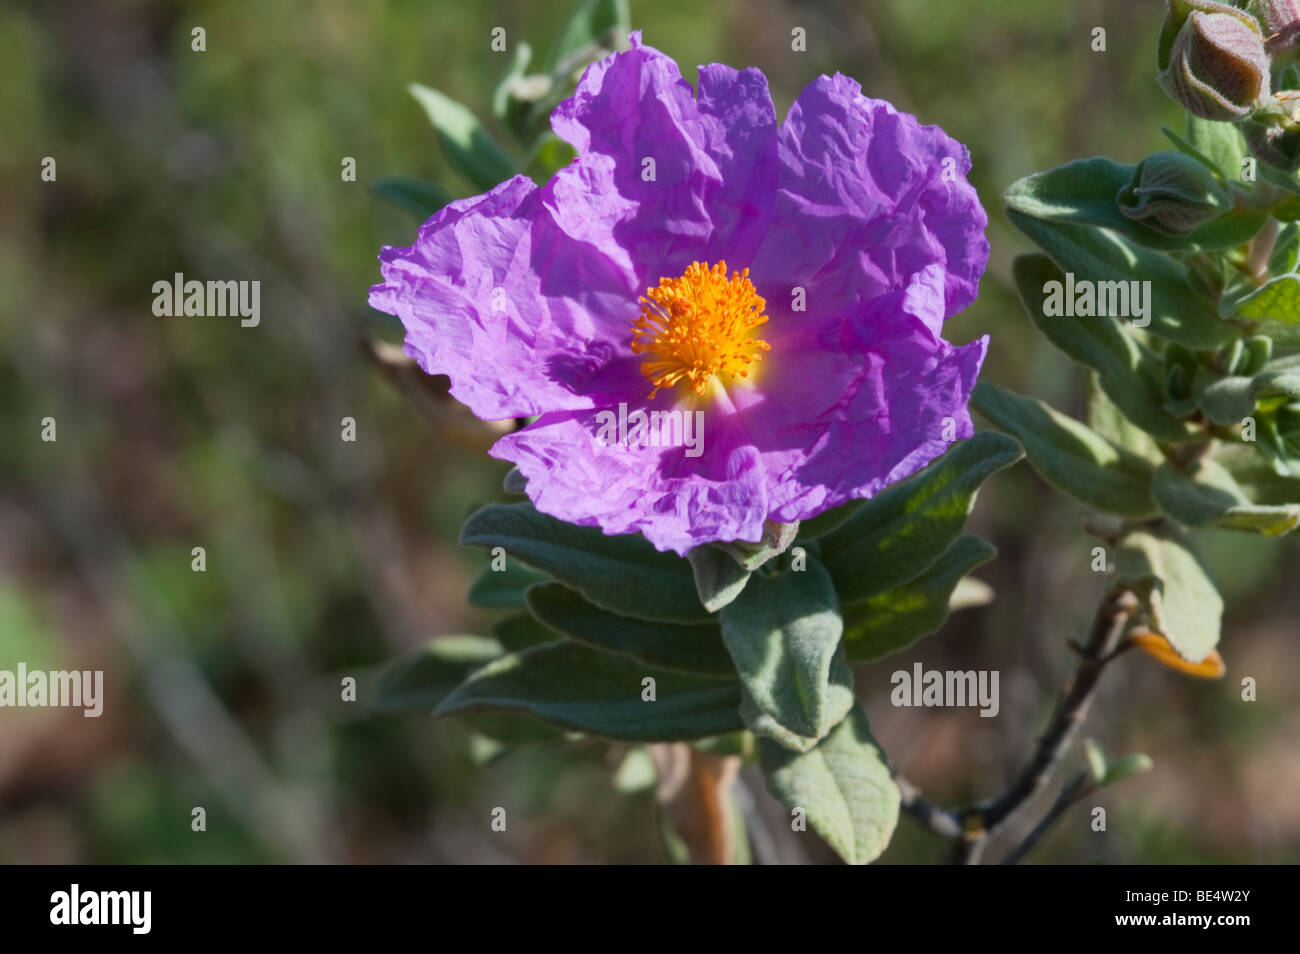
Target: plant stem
[
  {"x": 969, "y": 829},
  {"x": 1107, "y": 631},
  {"x": 1077, "y": 789}
]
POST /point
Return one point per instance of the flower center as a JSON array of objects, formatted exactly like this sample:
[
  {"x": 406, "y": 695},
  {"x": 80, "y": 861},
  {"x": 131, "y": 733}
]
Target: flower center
[{"x": 697, "y": 326}]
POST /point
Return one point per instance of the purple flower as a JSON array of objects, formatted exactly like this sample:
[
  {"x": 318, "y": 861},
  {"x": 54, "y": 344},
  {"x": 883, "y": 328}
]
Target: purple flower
[{"x": 782, "y": 289}]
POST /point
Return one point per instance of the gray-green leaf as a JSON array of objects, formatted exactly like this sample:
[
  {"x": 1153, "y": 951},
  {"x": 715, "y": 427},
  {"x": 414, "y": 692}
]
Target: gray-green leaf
[
  {"x": 782, "y": 633},
  {"x": 1181, "y": 603},
  {"x": 894, "y": 620},
  {"x": 468, "y": 146},
  {"x": 621, "y": 573},
  {"x": 690, "y": 647},
  {"x": 1070, "y": 455},
  {"x": 1130, "y": 373},
  {"x": 896, "y": 535},
  {"x": 719, "y": 579},
  {"x": 418, "y": 197},
  {"x": 1097, "y": 254},
  {"x": 1208, "y": 496},
  {"x": 843, "y": 786},
  {"x": 419, "y": 683},
  {"x": 569, "y": 686}
]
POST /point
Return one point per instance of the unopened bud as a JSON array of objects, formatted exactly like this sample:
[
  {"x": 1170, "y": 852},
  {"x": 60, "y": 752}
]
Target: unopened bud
[
  {"x": 1280, "y": 20},
  {"x": 1216, "y": 65},
  {"x": 1173, "y": 194},
  {"x": 1273, "y": 131}
]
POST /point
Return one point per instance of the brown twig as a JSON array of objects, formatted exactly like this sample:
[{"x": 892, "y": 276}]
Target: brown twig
[
  {"x": 1080, "y": 787},
  {"x": 970, "y": 829}
]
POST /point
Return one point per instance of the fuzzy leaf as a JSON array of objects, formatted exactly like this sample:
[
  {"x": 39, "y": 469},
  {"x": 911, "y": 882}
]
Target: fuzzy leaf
[
  {"x": 1069, "y": 455},
  {"x": 888, "y": 622},
  {"x": 1208, "y": 496},
  {"x": 783, "y": 632},
  {"x": 1096, "y": 254},
  {"x": 694, "y": 648},
  {"x": 1084, "y": 192},
  {"x": 843, "y": 785},
  {"x": 1130, "y": 373},
  {"x": 421, "y": 199},
  {"x": 467, "y": 145},
  {"x": 719, "y": 579},
  {"x": 569, "y": 686},
  {"x": 420, "y": 682},
  {"x": 503, "y": 589},
  {"x": 622, "y": 573},
  {"x": 896, "y": 535},
  {"x": 1181, "y": 603}
]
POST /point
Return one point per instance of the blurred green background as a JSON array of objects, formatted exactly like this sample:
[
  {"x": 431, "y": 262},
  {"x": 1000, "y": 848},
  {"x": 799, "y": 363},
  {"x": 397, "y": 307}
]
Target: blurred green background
[{"x": 327, "y": 559}]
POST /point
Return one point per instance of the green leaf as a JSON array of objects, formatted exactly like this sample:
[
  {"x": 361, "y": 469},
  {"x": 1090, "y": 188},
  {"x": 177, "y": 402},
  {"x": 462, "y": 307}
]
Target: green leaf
[
  {"x": 828, "y": 520},
  {"x": 1132, "y": 764},
  {"x": 568, "y": 686},
  {"x": 839, "y": 700},
  {"x": 1096, "y": 254},
  {"x": 521, "y": 631},
  {"x": 776, "y": 539},
  {"x": 1130, "y": 373},
  {"x": 1181, "y": 603},
  {"x": 896, "y": 535},
  {"x": 888, "y": 622},
  {"x": 1225, "y": 400},
  {"x": 503, "y": 589},
  {"x": 1281, "y": 376},
  {"x": 1220, "y": 143},
  {"x": 1084, "y": 193},
  {"x": 719, "y": 579},
  {"x": 1276, "y": 301},
  {"x": 694, "y": 648},
  {"x": 1112, "y": 424},
  {"x": 843, "y": 785},
  {"x": 468, "y": 146},
  {"x": 513, "y": 729},
  {"x": 1256, "y": 475},
  {"x": 419, "y": 683},
  {"x": 1208, "y": 496},
  {"x": 514, "y": 482},
  {"x": 594, "y": 26},
  {"x": 421, "y": 199},
  {"x": 1096, "y": 760},
  {"x": 1069, "y": 455},
  {"x": 782, "y": 633},
  {"x": 622, "y": 573}
]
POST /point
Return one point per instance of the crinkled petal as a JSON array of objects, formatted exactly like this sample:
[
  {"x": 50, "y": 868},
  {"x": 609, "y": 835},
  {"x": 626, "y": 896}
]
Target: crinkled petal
[
  {"x": 868, "y": 197},
  {"x": 522, "y": 318},
  {"x": 676, "y": 501},
  {"x": 663, "y": 177},
  {"x": 841, "y": 410}
]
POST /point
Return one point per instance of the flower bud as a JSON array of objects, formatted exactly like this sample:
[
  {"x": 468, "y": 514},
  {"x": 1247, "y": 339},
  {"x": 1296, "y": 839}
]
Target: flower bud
[
  {"x": 1280, "y": 20},
  {"x": 1273, "y": 131},
  {"x": 1216, "y": 66},
  {"x": 1172, "y": 193}
]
